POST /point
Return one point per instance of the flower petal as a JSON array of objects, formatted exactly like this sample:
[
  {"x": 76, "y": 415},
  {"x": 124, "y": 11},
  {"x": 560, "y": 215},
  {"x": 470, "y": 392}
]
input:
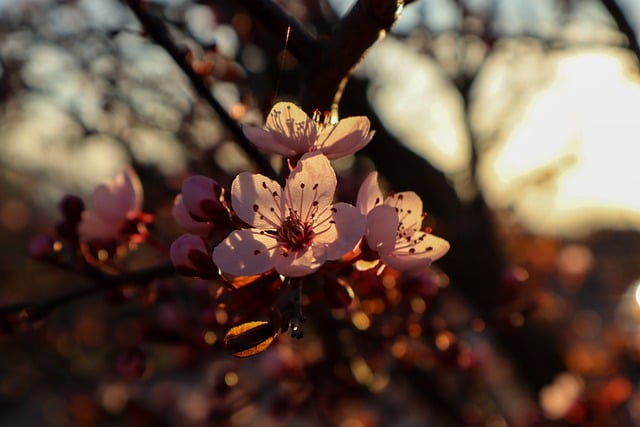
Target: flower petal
[
  {"x": 115, "y": 199},
  {"x": 191, "y": 256},
  {"x": 310, "y": 187},
  {"x": 291, "y": 126},
  {"x": 96, "y": 227},
  {"x": 186, "y": 221},
  {"x": 342, "y": 231},
  {"x": 245, "y": 252},
  {"x": 202, "y": 196},
  {"x": 369, "y": 194},
  {"x": 346, "y": 137},
  {"x": 268, "y": 141},
  {"x": 300, "y": 263},
  {"x": 382, "y": 225},
  {"x": 256, "y": 199},
  {"x": 417, "y": 255},
  {"x": 409, "y": 208}
]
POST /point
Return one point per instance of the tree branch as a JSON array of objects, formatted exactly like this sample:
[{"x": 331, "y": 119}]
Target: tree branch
[
  {"x": 37, "y": 309},
  {"x": 299, "y": 42},
  {"x": 623, "y": 25},
  {"x": 160, "y": 35},
  {"x": 365, "y": 23}
]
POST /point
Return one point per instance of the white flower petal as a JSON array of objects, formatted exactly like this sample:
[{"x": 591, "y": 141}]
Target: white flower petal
[
  {"x": 256, "y": 199},
  {"x": 417, "y": 254},
  {"x": 382, "y": 225},
  {"x": 341, "y": 231},
  {"x": 292, "y": 127},
  {"x": 300, "y": 263},
  {"x": 369, "y": 194},
  {"x": 310, "y": 187},
  {"x": 345, "y": 137},
  {"x": 409, "y": 208},
  {"x": 268, "y": 141},
  {"x": 245, "y": 252}
]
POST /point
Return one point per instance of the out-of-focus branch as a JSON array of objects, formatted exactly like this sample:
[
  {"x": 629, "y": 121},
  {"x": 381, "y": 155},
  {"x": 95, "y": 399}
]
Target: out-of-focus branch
[
  {"x": 36, "y": 309},
  {"x": 365, "y": 23},
  {"x": 623, "y": 24},
  {"x": 327, "y": 63},
  {"x": 159, "y": 34},
  {"x": 299, "y": 42}
]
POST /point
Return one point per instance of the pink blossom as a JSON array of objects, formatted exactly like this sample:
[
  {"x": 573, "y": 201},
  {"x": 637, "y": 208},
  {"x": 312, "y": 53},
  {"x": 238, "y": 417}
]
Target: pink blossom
[
  {"x": 117, "y": 205},
  {"x": 202, "y": 198},
  {"x": 290, "y": 132},
  {"x": 295, "y": 230},
  {"x": 184, "y": 219},
  {"x": 394, "y": 228},
  {"x": 191, "y": 256}
]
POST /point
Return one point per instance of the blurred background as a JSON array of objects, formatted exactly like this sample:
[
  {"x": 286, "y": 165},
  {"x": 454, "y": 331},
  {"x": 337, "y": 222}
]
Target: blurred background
[{"x": 518, "y": 122}]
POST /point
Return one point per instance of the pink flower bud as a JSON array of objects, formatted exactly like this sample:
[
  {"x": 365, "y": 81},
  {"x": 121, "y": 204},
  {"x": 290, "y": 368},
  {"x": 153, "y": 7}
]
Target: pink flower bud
[
  {"x": 186, "y": 221},
  {"x": 41, "y": 247},
  {"x": 202, "y": 197},
  {"x": 191, "y": 256}
]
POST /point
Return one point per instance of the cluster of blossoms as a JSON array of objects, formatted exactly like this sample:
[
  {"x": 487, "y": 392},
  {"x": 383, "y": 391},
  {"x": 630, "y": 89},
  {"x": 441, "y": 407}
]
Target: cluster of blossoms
[
  {"x": 263, "y": 234},
  {"x": 296, "y": 229},
  {"x": 113, "y": 224}
]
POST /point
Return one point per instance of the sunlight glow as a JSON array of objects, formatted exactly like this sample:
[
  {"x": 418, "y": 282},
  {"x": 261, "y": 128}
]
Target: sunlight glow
[
  {"x": 637, "y": 294},
  {"x": 422, "y": 110},
  {"x": 571, "y": 162}
]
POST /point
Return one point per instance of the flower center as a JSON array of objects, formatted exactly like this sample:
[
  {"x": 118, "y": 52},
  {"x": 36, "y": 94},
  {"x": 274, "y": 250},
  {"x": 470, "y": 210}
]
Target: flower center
[
  {"x": 322, "y": 119},
  {"x": 294, "y": 235}
]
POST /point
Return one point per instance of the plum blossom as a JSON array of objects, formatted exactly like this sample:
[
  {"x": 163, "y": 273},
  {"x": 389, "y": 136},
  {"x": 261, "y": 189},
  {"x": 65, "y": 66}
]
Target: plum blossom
[
  {"x": 116, "y": 212},
  {"x": 191, "y": 256},
  {"x": 200, "y": 207},
  {"x": 394, "y": 228},
  {"x": 294, "y": 230},
  {"x": 290, "y": 133},
  {"x": 184, "y": 219}
]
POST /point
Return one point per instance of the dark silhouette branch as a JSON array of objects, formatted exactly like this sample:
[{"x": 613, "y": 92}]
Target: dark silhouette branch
[
  {"x": 365, "y": 23},
  {"x": 37, "y": 309},
  {"x": 159, "y": 34},
  {"x": 300, "y": 43},
  {"x": 624, "y": 25}
]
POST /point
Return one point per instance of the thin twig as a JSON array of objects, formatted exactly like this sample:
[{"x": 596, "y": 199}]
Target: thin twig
[
  {"x": 36, "y": 309},
  {"x": 159, "y": 34}
]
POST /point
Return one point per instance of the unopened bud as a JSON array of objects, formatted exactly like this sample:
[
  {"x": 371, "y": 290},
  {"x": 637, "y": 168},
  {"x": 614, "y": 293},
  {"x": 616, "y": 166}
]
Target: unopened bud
[
  {"x": 186, "y": 221},
  {"x": 191, "y": 257},
  {"x": 202, "y": 197}
]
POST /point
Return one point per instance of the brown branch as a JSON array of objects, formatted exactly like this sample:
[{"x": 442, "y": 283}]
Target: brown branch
[
  {"x": 356, "y": 32},
  {"x": 623, "y": 25},
  {"x": 160, "y": 35},
  {"x": 300, "y": 43},
  {"x": 37, "y": 309}
]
